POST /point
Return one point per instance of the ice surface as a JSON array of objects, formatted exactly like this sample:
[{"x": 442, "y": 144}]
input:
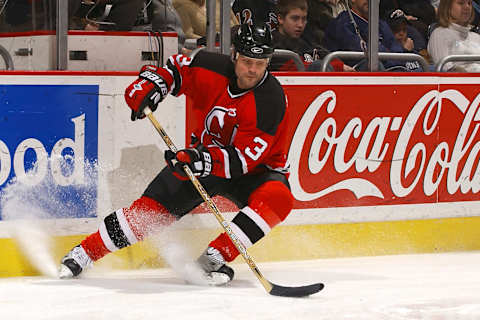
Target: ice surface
[
  {"x": 404, "y": 287},
  {"x": 426, "y": 286}
]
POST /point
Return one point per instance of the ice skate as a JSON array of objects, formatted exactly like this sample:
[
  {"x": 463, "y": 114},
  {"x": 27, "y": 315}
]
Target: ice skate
[
  {"x": 73, "y": 263},
  {"x": 217, "y": 273}
]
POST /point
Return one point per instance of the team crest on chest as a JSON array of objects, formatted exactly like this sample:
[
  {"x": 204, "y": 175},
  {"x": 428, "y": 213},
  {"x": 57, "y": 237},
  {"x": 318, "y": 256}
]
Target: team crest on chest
[{"x": 221, "y": 125}]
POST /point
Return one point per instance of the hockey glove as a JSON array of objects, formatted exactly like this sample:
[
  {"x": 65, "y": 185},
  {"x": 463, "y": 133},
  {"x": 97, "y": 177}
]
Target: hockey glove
[
  {"x": 198, "y": 159},
  {"x": 147, "y": 91}
]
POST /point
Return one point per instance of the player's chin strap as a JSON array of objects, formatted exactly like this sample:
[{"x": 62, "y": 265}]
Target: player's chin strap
[{"x": 271, "y": 288}]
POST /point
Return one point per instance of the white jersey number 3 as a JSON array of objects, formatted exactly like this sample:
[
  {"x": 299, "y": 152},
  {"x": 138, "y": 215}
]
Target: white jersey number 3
[{"x": 257, "y": 150}]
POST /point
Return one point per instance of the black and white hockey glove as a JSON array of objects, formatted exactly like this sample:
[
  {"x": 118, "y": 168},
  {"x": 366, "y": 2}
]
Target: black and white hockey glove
[{"x": 198, "y": 159}]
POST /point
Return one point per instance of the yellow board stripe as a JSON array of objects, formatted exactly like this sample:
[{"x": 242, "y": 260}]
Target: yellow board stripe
[{"x": 300, "y": 242}]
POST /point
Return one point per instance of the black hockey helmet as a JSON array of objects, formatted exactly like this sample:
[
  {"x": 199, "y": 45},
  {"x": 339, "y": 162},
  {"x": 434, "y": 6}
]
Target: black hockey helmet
[{"x": 254, "y": 41}]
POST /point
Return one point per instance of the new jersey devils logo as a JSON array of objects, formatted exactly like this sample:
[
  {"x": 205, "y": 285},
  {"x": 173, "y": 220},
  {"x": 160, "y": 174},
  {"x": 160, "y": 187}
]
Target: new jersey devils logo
[{"x": 221, "y": 125}]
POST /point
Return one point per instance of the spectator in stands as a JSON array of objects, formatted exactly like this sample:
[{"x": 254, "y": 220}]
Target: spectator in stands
[
  {"x": 108, "y": 15},
  {"x": 292, "y": 18},
  {"x": 123, "y": 14},
  {"x": 338, "y": 6},
  {"x": 409, "y": 37},
  {"x": 32, "y": 15},
  {"x": 420, "y": 14},
  {"x": 320, "y": 12},
  {"x": 454, "y": 35},
  {"x": 164, "y": 18},
  {"x": 256, "y": 12},
  {"x": 350, "y": 33},
  {"x": 153, "y": 15},
  {"x": 193, "y": 14}
]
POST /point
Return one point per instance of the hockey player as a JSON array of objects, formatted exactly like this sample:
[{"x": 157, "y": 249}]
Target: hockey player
[{"x": 238, "y": 150}]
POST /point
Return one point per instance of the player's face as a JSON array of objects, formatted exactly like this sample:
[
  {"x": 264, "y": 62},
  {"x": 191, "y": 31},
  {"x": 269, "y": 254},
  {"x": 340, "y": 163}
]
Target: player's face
[
  {"x": 293, "y": 24},
  {"x": 461, "y": 12},
  {"x": 249, "y": 71}
]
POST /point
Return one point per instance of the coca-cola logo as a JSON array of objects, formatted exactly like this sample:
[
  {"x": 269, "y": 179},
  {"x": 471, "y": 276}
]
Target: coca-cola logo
[{"x": 452, "y": 163}]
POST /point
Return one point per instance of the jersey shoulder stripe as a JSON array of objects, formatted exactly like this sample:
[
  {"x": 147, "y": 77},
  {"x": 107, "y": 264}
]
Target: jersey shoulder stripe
[
  {"x": 270, "y": 105},
  {"x": 218, "y": 63}
]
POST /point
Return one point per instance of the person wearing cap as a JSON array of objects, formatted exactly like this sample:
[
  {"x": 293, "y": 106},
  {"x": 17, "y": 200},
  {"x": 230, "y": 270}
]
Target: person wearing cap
[{"x": 410, "y": 39}]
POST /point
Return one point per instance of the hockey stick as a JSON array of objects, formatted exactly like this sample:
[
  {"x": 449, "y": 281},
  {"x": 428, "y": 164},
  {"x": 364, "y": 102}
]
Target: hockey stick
[{"x": 271, "y": 288}]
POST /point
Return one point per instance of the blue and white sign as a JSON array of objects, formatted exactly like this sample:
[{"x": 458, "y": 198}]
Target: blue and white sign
[{"x": 49, "y": 146}]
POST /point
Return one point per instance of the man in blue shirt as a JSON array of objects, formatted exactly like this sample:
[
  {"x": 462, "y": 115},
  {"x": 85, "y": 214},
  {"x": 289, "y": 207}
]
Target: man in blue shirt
[{"x": 343, "y": 34}]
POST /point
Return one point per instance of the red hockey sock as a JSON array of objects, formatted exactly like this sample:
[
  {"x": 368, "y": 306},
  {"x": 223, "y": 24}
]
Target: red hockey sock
[
  {"x": 224, "y": 244},
  {"x": 94, "y": 246},
  {"x": 127, "y": 226},
  {"x": 145, "y": 216}
]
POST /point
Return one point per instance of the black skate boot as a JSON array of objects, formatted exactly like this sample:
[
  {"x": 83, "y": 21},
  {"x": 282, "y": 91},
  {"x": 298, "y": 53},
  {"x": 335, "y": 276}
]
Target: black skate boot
[
  {"x": 74, "y": 263},
  {"x": 217, "y": 273}
]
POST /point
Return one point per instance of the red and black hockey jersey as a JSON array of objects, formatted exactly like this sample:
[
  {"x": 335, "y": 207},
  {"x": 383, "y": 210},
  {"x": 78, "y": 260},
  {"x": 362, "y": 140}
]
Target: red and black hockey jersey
[{"x": 244, "y": 130}]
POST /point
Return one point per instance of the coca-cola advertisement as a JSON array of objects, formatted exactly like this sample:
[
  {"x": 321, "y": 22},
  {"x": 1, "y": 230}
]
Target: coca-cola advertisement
[{"x": 357, "y": 145}]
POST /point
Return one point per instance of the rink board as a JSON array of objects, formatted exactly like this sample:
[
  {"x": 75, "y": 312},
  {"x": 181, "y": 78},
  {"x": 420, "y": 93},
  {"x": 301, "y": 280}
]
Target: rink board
[
  {"x": 382, "y": 164},
  {"x": 301, "y": 242}
]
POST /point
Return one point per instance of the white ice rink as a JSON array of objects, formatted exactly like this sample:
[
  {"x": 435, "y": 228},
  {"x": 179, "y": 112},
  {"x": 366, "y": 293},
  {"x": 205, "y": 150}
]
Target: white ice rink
[{"x": 427, "y": 286}]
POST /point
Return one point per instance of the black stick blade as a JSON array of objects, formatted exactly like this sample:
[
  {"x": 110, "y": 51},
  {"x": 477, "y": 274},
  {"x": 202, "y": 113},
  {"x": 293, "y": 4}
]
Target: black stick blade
[{"x": 296, "y": 292}]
